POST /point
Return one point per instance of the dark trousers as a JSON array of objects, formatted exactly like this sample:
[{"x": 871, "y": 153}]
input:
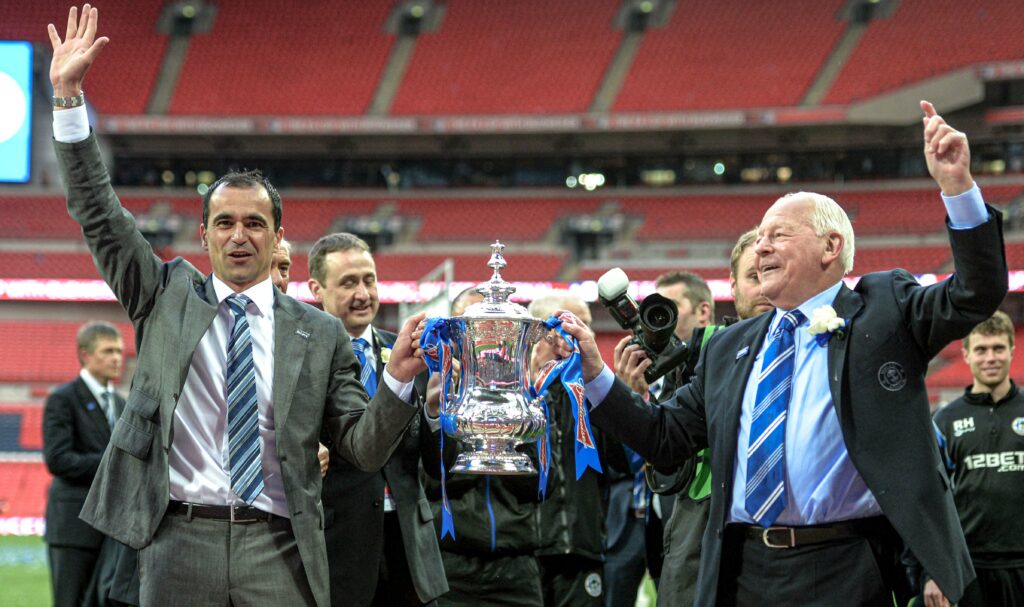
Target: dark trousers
[
  {"x": 394, "y": 584},
  {"x": 683, "y": 536},
  {"x": 495, "y": 581},
  {"x": 570, "y": 580},
  {"x": 1003, "y": 587},
  {"x": 854, "y": 572},
  {"x": 74, "y": 576}
]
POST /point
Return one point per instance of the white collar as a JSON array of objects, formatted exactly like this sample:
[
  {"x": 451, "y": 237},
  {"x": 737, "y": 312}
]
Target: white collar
[
  {"x": 261, "y": 294},
  {"x": 94, "y": 385}
]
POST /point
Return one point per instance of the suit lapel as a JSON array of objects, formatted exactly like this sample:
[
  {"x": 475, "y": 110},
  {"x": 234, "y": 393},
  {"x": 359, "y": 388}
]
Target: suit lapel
[
  {"x": 752, "y": 340},
  {"x": 847, "y": 304},
  {"x": 290, "y": 342},
  {"x": 381, "y": 340},
  {"x": 198, "y": 316}
]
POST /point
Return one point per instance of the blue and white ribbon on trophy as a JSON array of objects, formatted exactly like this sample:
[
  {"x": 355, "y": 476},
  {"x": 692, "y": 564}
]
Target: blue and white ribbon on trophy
[
  {"x": 570, "y": 371},
  {"x": 437, "y": 349}
]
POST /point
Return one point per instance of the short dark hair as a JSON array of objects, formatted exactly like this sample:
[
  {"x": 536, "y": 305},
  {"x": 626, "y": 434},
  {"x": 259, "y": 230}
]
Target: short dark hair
[
  {"x": 92, "y": 331},
  {"x": 697, "y": 290},
  {"x": 245, "y": 179},
  {"x": 745, "y": 241},
  {"x": 998, "y": 323},
  {"x": 338, "y": 241}
]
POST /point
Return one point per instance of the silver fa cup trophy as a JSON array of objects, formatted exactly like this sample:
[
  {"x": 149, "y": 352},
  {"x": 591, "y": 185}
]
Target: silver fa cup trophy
[{"x": 492, "y": 411}]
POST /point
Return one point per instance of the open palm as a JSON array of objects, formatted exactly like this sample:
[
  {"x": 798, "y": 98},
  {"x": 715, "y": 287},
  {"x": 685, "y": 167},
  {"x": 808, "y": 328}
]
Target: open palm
[{"x": 73, "y": 56}]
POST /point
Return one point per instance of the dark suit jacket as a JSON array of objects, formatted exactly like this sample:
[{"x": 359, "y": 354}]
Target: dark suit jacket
[
  {"x": 876, "y": 377},
  {"x": 354, "y": 511},
  {"x": 75, "y": 434},
  {"x": 315, "y": 383}
]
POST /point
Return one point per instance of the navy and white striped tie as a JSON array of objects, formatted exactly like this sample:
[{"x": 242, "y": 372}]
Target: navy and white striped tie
[
  {"x": 243, "y": 414},
  {"x": 367, "y": 374},
  {"x": 766, "y": 454}
]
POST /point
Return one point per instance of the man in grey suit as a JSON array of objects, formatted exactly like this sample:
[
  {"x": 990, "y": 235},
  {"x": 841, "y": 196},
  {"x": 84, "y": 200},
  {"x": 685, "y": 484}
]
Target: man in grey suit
[
  {"x": 821, "y": 444},
  {"x": 212, "y": 470},
  {"x": 76, "y": 429},
  {"x": 381, "y": 544}
]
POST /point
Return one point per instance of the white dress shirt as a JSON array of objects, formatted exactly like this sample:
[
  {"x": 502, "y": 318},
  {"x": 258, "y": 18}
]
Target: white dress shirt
[
  {"x": 98, "y": 391},
  {"x": 200, "y": 467}
]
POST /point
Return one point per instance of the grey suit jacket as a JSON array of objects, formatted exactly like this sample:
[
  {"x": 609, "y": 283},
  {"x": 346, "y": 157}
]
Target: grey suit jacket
[
  {"x": 316, "y": 378},
  {"x": 353, "y": 503},
  {"x": 876, "y": 377}
]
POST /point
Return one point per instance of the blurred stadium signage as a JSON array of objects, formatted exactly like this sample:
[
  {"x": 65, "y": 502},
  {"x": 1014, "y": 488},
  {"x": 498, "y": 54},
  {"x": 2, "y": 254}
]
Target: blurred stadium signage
[{"x": 392, "y": 292}]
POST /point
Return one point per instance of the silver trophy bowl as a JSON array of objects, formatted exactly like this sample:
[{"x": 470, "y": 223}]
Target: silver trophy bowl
[{"x": 492, "y": 413}]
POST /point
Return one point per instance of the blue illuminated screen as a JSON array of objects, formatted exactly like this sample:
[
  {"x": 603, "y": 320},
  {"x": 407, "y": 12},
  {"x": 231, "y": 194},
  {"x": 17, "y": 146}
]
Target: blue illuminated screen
[{"x": 15, "y": 111}]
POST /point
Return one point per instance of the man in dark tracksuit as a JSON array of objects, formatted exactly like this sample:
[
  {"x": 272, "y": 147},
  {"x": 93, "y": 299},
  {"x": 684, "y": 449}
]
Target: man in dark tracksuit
[
  {"x": 491, "y": 560},
  {"x": 983, "y": 433}
]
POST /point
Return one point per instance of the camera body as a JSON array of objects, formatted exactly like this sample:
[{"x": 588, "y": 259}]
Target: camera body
[{"x": 652, "y": 322}]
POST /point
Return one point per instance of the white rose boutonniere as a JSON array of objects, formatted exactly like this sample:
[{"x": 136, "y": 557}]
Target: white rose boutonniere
[
  {"x": 385, "y": 355},
  {"x": 825, "y": 323}
]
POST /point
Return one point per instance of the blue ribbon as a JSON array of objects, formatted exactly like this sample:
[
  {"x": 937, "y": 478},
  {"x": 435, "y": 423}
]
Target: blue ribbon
[
  {"x": 570, "y": 372},
  {"x": 437, "y": 348}
]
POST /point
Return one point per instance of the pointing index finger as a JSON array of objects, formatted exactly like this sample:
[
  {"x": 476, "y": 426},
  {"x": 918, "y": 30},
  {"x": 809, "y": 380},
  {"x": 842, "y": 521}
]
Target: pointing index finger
[{"x": 928, "y": 109}]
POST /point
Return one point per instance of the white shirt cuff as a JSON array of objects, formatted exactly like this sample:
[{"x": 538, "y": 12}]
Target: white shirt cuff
[
  {"x": 966, "y": 210},
  {"x": 71, "y": 125},
  {"x": 434, "y": 423},
  {"x": 599, "y": 387},
  {"x": 402, "y": 390}
]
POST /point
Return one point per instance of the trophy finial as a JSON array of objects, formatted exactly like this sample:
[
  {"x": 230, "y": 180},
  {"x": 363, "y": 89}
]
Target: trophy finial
[
  {"x": 497, "y": 259},
  {"x": 497, "y": 290}
]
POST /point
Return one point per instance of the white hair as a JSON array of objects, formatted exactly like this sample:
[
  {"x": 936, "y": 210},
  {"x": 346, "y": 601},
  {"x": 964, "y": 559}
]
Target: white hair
[{"x": 827, "y": 216}]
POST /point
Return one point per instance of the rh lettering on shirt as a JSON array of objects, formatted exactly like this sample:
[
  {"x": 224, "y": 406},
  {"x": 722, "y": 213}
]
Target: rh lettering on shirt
[{"x": 963, "y": 426}]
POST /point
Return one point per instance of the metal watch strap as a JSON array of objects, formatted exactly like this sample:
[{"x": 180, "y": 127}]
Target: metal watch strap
[{"x": 68, "y": 102}]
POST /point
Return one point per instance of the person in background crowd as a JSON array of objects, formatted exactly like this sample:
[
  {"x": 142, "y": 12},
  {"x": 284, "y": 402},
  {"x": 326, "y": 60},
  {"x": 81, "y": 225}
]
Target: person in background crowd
[{"x": 983, "y": 431}]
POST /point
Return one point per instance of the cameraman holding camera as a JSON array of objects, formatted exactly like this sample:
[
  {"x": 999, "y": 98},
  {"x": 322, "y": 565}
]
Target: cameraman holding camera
[{"x": 634, "y": 540}]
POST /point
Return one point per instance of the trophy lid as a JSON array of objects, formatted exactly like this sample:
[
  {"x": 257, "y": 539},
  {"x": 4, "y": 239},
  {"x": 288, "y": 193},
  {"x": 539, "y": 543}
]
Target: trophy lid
[{"x": 496, "y": 292}]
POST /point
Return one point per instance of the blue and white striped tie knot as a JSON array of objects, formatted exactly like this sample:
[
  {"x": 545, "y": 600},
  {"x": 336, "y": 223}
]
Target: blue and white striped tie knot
[{"x": 367, "y": 374}]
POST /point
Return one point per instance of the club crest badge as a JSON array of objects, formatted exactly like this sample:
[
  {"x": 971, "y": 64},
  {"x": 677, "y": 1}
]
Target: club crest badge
[
  {"x": 892, "y": 376},
  {"x": 1018, "y": 426}
]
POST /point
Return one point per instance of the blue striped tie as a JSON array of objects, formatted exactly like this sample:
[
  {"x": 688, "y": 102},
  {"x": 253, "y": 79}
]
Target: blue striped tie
[
  {"x": 367, "y": 374},
  {"x": 243, "y": 414},
  {"x": 766, "y": 455}
]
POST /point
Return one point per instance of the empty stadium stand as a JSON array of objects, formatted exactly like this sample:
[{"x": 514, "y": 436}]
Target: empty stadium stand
[
  {"x": 44, "y": 351},
  {"x": 528, "y": 56},
  {"x": 920, "y": 40},
  {"x": 262, "y": 57},
  {"x": 122, "y": 81},
  {"x": 23, "y": 488},
  {"x": 714, "y": 55}
]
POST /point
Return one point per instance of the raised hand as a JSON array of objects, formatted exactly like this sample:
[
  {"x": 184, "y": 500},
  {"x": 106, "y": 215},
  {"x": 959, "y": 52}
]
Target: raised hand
[
  {"x": 947, "y": 153},
  {"x": 406, "y": 360},
  {"x": 73, "y": 56}
]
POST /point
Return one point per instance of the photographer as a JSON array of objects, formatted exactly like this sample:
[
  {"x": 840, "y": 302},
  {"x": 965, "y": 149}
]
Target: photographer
[{"x": 634, "y": 541}]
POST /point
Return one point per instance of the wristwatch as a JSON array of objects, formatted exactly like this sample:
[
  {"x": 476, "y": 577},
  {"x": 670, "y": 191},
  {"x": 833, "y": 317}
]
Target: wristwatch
[{"x": 68, "y": 102}]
